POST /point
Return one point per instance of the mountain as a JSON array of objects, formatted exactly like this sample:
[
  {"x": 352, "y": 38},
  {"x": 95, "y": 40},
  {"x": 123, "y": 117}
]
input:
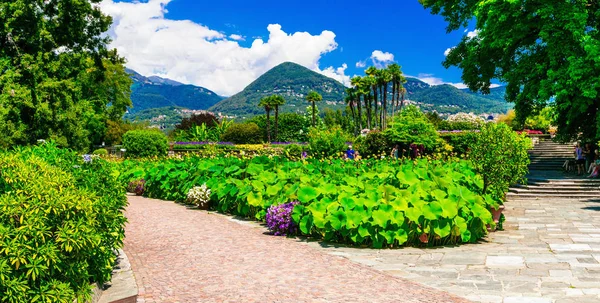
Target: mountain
[
  {"x": 290, "y": 80},
  {"x": 156, "y": 92},
  {"x": 294, "y": 81},
  {"x": 449, "y": 99}
]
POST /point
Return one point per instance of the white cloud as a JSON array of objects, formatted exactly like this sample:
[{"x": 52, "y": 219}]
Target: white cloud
[
  {"x": 473, "y": 34},
  {"x": 432, "y": 80},
  {"x": 337, "y": 74},
  {"x": 237, "y": 37},
  {"x": 381, "y": 57},
  {"x": 361, "y": 64},
  {"x": 189, "y": 52},
  {"x": 448, "y": 50}
]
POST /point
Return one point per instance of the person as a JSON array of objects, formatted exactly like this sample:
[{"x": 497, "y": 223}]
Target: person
[
  {"x": 589, "y": 156},
  {"x": 394, "y": 153},
  {"x": 580, "y": 160},
  {"x": 350, "y": 153}
]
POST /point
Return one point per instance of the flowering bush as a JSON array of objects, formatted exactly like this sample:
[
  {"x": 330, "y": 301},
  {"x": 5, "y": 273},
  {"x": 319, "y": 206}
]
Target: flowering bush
[
  {"x": 279, "y": 219},
  {"x": 199, "y": 195},
  {"x": 137, "y": 187},
  {"x": 462, "y": 121}
]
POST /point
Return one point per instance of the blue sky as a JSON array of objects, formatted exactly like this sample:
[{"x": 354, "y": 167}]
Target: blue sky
[{"x": 211, "y": 43}]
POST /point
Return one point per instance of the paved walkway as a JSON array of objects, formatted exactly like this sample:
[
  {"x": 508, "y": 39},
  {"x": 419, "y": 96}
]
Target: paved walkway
[
  {"x": 185, "y": 255},
  {"x": 549, "y": 252}
]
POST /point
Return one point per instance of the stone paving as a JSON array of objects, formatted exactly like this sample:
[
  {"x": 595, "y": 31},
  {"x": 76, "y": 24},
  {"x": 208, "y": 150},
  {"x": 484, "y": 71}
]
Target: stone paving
[
  {"x": 185, "y": 255},
  {"x": 549, "y": 252}
]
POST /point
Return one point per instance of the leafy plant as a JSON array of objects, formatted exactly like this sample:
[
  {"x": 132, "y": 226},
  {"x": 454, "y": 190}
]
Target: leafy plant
[
  {"x": 244, "y": 133},
  {"x": 370, "y": 202},
  {"x": 411, "y": 126},
  {"x": 60, "y": 221},
  {"x": 199, "y": 195},
  {"x": 145, "y": 143},
  {"x": 327, "y": 143},
  {"x": 100, "y": 152},
  {"x": 375, "y": 144},
  {"x": 500, "y": 156}
]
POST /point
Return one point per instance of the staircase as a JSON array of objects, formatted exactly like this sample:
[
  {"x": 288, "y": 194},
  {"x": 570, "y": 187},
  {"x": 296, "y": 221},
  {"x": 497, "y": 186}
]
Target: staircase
[
  {"x": 550, "y": 156},
  {"x": 546, "y": 179}
]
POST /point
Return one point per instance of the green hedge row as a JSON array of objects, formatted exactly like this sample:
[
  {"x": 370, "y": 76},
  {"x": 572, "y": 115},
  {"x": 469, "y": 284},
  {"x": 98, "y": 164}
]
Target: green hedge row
[{"x": 375, "y": 203}]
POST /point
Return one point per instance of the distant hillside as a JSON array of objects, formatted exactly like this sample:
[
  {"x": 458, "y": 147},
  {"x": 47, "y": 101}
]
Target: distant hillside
[
  {"x": 449, "y": 99},
  {"x": 290, "y": 80},
  {"x": 156, "y": 92}
]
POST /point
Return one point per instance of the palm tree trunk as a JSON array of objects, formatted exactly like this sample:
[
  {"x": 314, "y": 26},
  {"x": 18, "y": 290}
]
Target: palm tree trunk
[
  {"x": 384, "y": 108},
  {"x": 313, "y": 114},
  {"x": 358, "y": 104},
  {"x": 276, "y": 122},
  {"x": 353, "y": 117},
  {"x": 393, "y": 98},
  {"x": 375, "y": 89},
  {"x": 269, "y": 126}
]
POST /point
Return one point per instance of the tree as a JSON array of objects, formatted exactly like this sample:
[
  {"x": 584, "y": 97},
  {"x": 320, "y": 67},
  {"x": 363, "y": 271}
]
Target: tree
[
  {"x": 384, "y": 79},
  {"x": 411, "y": 126},
  {"x": 372, "y": 80},
  {"x": 58, "y": 79},
  {"x": 276, "y": 102},
  {"x": 313, "y": 97},
  {"x": 267, "y": 105},
  {"x": 398, "y": 89},
  {"x": 357, "y": 83},
  {"x": 541, "y": 50},
  {"x": 207, "y": 118}
]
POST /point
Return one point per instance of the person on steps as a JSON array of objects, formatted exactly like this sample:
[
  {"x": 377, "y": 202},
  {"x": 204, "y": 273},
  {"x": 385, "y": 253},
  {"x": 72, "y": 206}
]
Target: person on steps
[{"x": 580, "y": 159}]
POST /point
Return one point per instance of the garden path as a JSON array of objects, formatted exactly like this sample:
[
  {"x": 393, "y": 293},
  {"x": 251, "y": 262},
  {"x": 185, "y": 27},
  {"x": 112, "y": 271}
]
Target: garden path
[{"x": 184, "y": 255}]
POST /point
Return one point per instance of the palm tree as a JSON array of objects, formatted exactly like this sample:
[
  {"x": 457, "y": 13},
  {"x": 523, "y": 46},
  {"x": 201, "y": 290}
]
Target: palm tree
[
  {"x": 350, "y": 99},
  {"x": 356, "y": 82},
  {"x": 385, "y": 77},
  {"x": 266, "y": 103},
  {"x": 276, "y": 102},
  {"x": 372, "y": 73},
  {"x": 313, "y": 97},
  {"x": 395, "y": 71},
  {"x": 369, "y": 84}
]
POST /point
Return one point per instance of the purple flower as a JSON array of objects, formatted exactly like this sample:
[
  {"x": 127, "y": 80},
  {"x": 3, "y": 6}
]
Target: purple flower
[{"x": 279, "y": 219}]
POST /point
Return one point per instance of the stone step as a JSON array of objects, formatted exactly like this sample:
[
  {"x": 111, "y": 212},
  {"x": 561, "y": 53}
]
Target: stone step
[
  {"x": 594, "y": 192},
  {"x": 551, "y": 196},
  {"x": 556, "y": 187}
]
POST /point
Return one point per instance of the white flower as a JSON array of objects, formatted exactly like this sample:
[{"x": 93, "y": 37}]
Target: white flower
[{"x": 199, "y": 195}]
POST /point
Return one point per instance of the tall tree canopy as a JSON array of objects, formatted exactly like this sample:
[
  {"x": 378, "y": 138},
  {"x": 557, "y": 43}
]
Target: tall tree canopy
[
  {"x": 58, "y": 80},
  {"x": 542, "y": 50}
]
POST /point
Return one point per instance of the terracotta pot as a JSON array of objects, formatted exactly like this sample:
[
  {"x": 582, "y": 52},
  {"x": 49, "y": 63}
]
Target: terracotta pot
[
  {"x": 496, "y": 213},
  {"x": 205, "y": 207}
]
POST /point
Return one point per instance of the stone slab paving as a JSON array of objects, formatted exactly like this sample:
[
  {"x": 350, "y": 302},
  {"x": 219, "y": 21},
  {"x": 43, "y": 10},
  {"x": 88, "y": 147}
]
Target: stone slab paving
[
  {"x": 184, "y": 255},
  {"x": 549, "y": 252}
]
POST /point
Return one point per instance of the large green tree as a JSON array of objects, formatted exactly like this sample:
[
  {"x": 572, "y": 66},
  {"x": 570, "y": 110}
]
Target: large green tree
[
  {"x": 58, "y": 80},
  {"x": 542, "y": 50},
  {"x": 313, "y": 97}
]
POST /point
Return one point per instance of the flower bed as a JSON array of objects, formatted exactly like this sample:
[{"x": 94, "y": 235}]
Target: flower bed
[{"x": 376, "y": 203}]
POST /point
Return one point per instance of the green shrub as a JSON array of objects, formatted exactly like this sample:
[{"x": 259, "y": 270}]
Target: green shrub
[
  {"x": 411, "y": 126},
  {"x": 244, "y": 133},
  {"x": 293, "y": 151},
  {"x": 145, "y": 143},
  {"x": 292, "y": 127},
  {"x": 327, "y": 143},
  {"x": 60, "y": 221},
  {"x": 100, "y": 152},
  {"x": 460, "y": 142},
  {"x": 372, "y": 202},
  {"x": 375, "y": 145},
  {"x": 500, "y": 156}
]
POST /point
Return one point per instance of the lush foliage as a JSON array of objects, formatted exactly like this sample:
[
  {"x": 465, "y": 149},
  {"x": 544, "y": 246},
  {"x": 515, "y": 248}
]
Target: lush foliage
[
  {"x": 500, "y": 155},
  {"x": 542, "y": 121},
  {"x": 374, "y": 144},
  {"x": 327, "y": 143},
  {"x": 411, "y": 126},
  {"x": 279, "y": 219},
  {"x": 202, "y": 132},
  {"x": 461, "y": 142},
  {"x": 242, "y": 133},
  {"x": 462, "y": 121},
  {"x": 542, "y": 52},
  {"x": 59, "y": 81},
  {"x": 101, "y": 152},
  {"x": 370, "y": 202},
  {"x": 145, "y": 143},
  {"x": 60, "y": 220},
  {"x": 292, "y": 127},
  {"x": 208, "y": 119}
]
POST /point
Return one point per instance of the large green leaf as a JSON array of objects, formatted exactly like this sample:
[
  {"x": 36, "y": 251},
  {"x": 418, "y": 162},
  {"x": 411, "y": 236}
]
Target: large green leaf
[
  {"x": 306, "y": 225},
  {"x": 337, "y": 220},
  {"x": 255, "y": 199},
  {"x": 307, "y": 194}
]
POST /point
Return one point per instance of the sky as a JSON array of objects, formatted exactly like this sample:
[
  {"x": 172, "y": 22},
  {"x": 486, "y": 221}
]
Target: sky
[{"x": 225, "y": 45}]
